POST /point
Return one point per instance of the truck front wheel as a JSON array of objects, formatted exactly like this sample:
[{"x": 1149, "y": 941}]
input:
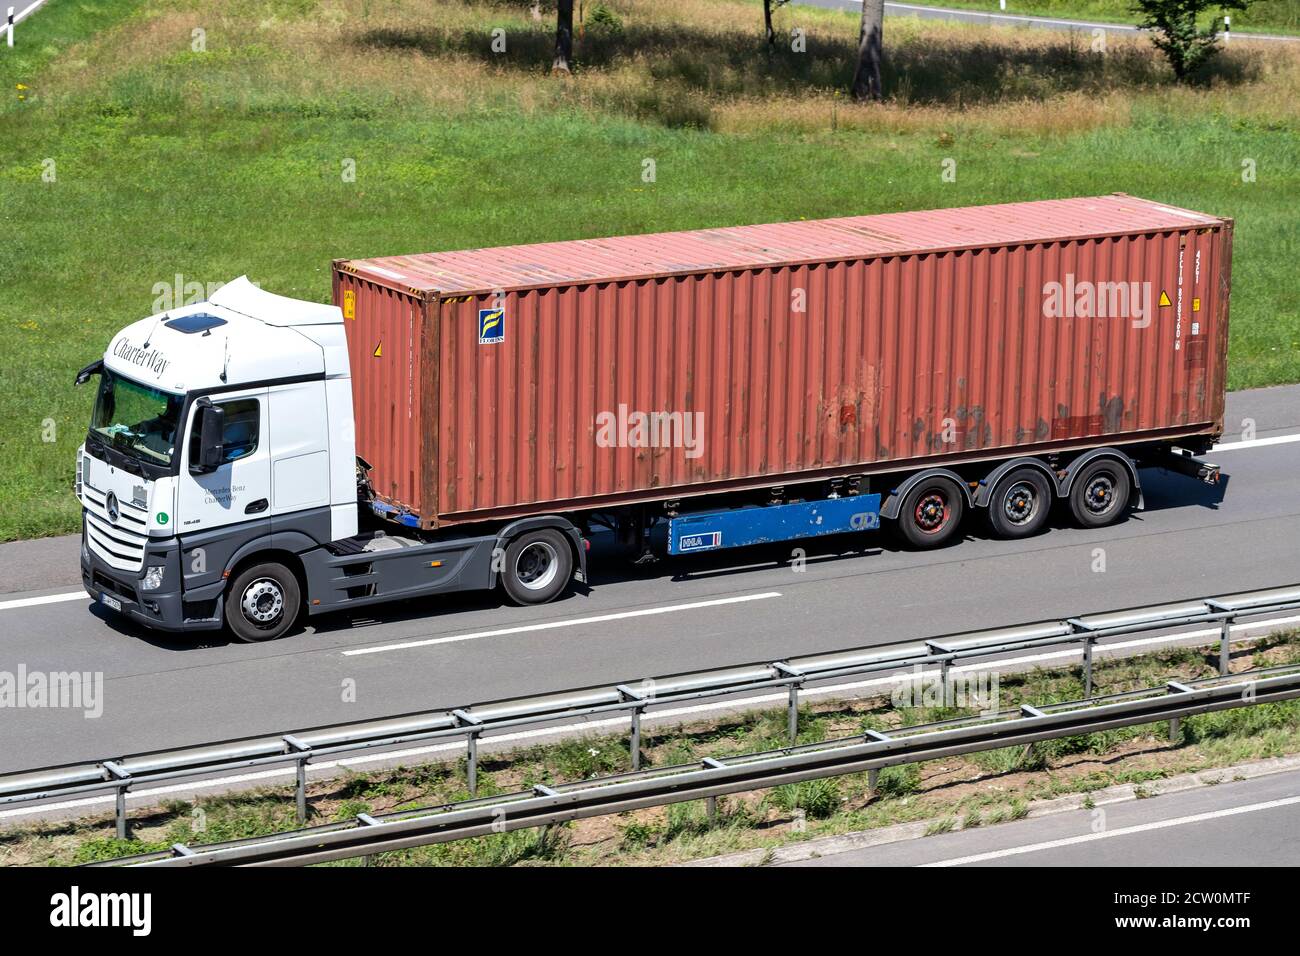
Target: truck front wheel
[
  {"x": 262, "y": 602},
  {"x": 538, "y": 567}
]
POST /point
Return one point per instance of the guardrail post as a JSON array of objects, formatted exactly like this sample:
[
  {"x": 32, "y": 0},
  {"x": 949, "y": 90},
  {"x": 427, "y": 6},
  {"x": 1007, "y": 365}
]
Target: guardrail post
[
  {"x": 1225, "y": 635},
  {"x": 466, "y": 719},
  {"x": 1078, "y": 625},
  {"x": 122, "y": 783},
  {"x": 711, "y": 803},
  {"x": 471, "y": 762},
  {"x": 634, "y": 743},
  {"x": 873, "y": 775},
  {"x": 366, "y": 819},
  {"x": 793, "y": 717},
  {"x": 1175, "y": 723},
  {"x": 1225, "y": 647},
  {"x": 303, "y": 751}
]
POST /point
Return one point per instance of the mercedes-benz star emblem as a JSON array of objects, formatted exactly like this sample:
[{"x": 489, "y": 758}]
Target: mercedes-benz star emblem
[{"x": 114, "y": 512}]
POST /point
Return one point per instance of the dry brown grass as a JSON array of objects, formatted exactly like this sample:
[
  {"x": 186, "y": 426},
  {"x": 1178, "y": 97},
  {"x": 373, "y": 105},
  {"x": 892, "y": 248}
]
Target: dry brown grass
[{"x": 676, "y": 62}]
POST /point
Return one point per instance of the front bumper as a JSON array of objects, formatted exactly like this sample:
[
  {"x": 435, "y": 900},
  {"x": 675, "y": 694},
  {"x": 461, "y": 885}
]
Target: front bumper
[{"x": 163, "y": 609}]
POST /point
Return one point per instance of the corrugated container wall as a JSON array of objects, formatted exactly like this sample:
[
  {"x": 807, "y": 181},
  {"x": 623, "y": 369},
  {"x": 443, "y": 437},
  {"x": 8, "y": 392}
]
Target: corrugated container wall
[{"x": 502, "y": 382}]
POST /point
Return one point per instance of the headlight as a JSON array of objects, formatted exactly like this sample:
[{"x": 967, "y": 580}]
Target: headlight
[
  {"x": 77, "y": 483},
  {"x": 153, "y": 578}
]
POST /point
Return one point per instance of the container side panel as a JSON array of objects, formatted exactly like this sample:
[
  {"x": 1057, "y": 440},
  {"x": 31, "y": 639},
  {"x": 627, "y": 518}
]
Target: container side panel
[{"x": 667, "y": 386}]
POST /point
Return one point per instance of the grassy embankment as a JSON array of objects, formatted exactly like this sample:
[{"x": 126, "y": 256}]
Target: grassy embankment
[
  {"x": 976, "y": 790},
  {"x": 212, "y": 164}
]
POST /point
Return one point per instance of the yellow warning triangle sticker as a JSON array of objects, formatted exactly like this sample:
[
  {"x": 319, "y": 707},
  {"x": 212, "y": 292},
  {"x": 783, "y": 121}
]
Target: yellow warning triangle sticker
[
  {"x": 1164, "y": 298},
  {"x": 379, "y": 350}
]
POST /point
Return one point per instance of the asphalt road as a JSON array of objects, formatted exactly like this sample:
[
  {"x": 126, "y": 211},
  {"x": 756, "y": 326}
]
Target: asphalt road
[
  {"x": 162, "y": 692},
  {"x": 1243, "y": 823},
  {"x": 998, "y": 19}
]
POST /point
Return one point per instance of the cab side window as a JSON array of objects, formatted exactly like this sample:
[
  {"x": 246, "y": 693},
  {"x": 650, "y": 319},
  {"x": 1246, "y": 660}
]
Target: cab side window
[{"x": 243, "y": 421}]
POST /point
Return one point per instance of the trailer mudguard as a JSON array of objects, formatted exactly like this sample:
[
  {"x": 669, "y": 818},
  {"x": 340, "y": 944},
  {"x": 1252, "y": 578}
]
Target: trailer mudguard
[
  {"x": 559, "y": 522},
  {"x": 894, "y": 498},
  {"x": 1073, "y": 468},
  {"x": 987, "y": 484}
]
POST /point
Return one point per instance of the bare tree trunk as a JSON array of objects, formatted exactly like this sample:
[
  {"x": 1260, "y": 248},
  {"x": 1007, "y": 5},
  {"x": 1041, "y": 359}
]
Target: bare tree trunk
[
  {"x": 767, "y": 22},
  {"x": 866, "y": 74},
  {"x": 563, "y": 36}
]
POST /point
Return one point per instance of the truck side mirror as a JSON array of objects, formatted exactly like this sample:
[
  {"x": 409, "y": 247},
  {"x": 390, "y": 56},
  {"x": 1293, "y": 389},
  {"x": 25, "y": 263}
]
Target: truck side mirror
[
  {"x": 212, "y": 428},
  {"x": 94, "y": 368}
]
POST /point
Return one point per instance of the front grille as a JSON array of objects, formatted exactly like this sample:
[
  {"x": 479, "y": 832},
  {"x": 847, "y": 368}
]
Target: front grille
[
  {"x": 105, "y": 582},
  {"x": 121, "y": 545}
]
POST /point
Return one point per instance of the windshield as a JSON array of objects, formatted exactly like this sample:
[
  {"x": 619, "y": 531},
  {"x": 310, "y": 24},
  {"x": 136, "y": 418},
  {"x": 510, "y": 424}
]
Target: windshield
[{"x": 136, "y": 419}]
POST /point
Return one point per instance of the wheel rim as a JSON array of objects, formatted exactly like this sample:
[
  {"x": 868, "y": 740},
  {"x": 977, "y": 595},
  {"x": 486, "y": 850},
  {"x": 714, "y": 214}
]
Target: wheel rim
[
  {"x": 262, "y": 603},
  {"x": 932, "y": 512},
  {"x": 1020, "y": 504},
  {"x": 537, "y": 565},
  {"x": 1099, "y": 496}
]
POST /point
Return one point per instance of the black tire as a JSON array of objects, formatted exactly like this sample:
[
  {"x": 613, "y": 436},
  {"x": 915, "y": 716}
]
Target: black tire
[
  {"x": 263, "y": 602},
  {"x": 1100, "y": 493},
  {"x": 538, "y": 567},
  {"x": 1020, "y": 504},
  {"x": 931, "y": 513}
]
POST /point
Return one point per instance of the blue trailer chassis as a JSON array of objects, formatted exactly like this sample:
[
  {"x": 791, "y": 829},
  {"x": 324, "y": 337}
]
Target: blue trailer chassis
[{"x": 764, "y": 524}]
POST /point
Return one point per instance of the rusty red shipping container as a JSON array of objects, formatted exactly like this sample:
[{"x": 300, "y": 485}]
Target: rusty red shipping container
[{"x": 812, "y": 349}]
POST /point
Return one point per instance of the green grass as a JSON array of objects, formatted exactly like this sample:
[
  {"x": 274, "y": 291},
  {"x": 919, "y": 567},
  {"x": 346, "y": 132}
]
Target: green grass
[
  {"x": 228, "y": 162},
  {"x": 1264, "y": 16}
]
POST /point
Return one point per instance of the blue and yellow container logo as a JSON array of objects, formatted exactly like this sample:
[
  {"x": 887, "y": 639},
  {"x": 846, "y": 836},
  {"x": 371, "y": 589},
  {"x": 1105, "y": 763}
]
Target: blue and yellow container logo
[{"x": 491, "y": 326}]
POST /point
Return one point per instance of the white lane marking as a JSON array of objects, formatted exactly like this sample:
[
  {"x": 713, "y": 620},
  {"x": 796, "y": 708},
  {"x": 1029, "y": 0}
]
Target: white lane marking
[
  {"x": 587, "y": 726},
  {"x": 1108, "y": 834},
  {"x": 1254, "y": 443},
  {"x": 551, "y": 625},
  {"x": 48, "y": 599}
]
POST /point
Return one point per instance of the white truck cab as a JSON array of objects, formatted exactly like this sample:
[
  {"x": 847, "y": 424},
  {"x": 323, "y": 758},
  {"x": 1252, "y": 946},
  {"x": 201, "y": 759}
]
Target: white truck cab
[{"x": 215, "y": 426}]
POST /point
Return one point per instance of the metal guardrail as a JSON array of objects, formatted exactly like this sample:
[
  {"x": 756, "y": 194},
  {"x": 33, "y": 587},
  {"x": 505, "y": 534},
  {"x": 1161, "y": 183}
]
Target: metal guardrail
[
  {"x": 633, "y": 698},
  {"x": 542, "y": 805}
]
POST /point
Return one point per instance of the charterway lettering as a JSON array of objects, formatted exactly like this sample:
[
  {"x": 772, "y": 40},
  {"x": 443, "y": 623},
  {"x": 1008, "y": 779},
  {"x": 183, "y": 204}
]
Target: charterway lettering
[{"x": 151, "y": 359}]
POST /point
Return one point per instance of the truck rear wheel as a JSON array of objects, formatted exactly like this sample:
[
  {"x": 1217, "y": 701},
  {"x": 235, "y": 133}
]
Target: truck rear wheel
[
  {"x": 1100, "y": 493},
  {"x": 538, "y": 567},
  {"x": 1020, "y": 504},
  {"x": 262, "y": 602},
  {"x": 931, "y": 513}
]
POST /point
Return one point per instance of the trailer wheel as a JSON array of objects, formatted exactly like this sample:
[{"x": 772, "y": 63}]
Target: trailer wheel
[
  {"x": 262, "y": 602},
  {"x": 931, "y": 513},
  {"x": 1020, "y": 504},
  {"x": 538, "y": 567},
  {"x": 1100, "y": 493}
]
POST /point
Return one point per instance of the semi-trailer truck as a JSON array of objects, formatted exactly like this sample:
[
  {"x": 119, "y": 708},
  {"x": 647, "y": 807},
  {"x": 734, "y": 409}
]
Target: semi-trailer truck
[{"x": 467, "y": 420}]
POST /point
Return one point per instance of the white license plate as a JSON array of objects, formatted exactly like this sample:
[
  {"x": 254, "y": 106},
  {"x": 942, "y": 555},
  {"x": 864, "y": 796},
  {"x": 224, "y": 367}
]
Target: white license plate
[{"x": 109, "y": 601}]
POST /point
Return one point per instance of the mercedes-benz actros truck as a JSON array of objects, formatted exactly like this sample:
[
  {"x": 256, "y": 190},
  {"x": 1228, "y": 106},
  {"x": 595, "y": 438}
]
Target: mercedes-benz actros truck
[{"x": 467, "y": 420}]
